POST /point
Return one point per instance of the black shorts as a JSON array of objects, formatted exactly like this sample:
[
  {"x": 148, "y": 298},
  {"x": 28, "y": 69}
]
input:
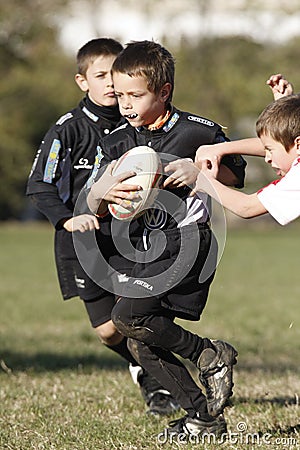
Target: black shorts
[
  {"x": 182, "y": 273},
  {"x": 99, "y": 309},
  {"x": 74, "y": 282},
  {"x": 72, "y": 278}
]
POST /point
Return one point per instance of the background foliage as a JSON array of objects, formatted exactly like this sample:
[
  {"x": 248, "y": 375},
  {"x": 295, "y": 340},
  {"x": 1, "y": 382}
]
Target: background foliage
[{"x": 221, "y": 78}]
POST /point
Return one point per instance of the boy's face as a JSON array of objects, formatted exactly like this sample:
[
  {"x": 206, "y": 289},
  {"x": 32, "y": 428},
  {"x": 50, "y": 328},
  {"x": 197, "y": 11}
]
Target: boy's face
[
  {"x": 276, "y": 154},
  {"x": 137, "y": 104},
  {"x": 98, "y": 81}
]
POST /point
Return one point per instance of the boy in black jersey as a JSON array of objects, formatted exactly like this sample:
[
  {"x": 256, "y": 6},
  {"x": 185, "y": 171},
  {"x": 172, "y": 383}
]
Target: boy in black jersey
[
  {"x": 174, "y": 280},
  {"x": 61, "y": 168}
]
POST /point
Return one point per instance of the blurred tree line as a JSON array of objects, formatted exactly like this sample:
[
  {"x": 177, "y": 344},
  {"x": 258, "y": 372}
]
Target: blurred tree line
[
  {"x": 220, "y": 78},
  {"x": 36, "y": 87}
]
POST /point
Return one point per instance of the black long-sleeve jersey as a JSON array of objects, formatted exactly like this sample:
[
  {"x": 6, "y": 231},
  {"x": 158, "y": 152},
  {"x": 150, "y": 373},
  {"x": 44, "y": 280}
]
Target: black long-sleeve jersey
[
  {"x": 179, "y": 137},
  {"x": 66, "y": 157}
]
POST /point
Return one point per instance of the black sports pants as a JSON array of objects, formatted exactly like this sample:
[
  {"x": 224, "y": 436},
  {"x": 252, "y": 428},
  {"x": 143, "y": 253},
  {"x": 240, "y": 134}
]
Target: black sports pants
[{"x": 154, "y": 339}]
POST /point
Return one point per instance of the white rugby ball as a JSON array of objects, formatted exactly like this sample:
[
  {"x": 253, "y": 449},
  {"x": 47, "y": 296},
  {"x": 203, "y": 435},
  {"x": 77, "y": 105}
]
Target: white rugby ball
[{"x": 146, "y": 163}]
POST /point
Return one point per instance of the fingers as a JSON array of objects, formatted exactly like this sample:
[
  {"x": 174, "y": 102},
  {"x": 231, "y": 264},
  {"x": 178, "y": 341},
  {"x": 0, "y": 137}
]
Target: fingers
[
  {"x": 82, "y": 223},
  {"x": 183, "y": 173},
  {"x": 280, "y": 86},
  {"x": 274, "y": 79},
  {"x": 88, "y": 226},
  {"x": 171, "y": 166},
  {"x": 178, "y": 164},
  {"x": 123, "y": 176},
  {"x": 124, "y": 195},
  {"x": 207, "y": 164},
  {"x": 168, "y": 181},
  {"x": 176, "y": 179}
]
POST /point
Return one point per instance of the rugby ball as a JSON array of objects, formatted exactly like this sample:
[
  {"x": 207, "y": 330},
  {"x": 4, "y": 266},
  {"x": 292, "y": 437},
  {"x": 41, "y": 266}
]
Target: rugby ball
[{"x": 145, "y": 162}]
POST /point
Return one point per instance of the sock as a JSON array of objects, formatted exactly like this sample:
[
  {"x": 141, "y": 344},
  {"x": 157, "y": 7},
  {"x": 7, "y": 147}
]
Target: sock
[{"x": 123, "y": 351}]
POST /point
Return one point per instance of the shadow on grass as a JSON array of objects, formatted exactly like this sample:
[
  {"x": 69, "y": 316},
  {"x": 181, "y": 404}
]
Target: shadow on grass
[{"x": 44, "y": 362}]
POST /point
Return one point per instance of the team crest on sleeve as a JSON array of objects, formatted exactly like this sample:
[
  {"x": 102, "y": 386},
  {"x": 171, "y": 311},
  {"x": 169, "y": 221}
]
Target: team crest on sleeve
[
  {"x": 209, "y": 123},
  {"x": 155, "y": 218},
  {"x": 52, "y": 161}
]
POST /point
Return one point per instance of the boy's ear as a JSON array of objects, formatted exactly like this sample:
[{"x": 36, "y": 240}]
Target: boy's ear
[
  {"x": 82, "y": 82},
  {"x": 165, "y": 91},
  {"x": 297, "y": 143}
]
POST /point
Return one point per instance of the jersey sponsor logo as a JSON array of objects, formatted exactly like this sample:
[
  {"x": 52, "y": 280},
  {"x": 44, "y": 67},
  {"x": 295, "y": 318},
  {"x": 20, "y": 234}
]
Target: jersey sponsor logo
[
  {"x": 90, "y": 114},
  {"x": 52, "y": 161},
  {"x": 143, "y": 284},
  {"x": 83, "y": 164},
  {"x": 155, "y": 218},
  {"x": 123, "y": 278},
  {"x": 201, "y": 120},
  {"x": 80, "y": 282},
  {"x": 63, "y": 118}
]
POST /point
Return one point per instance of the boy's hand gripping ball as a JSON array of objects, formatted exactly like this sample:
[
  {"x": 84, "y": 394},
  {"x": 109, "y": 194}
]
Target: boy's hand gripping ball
[{"x": 145, "y": 162}]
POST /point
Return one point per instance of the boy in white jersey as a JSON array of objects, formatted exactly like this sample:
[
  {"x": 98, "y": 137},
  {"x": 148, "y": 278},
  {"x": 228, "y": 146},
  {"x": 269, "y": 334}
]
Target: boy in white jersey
[{"x": 278, "y": 128}]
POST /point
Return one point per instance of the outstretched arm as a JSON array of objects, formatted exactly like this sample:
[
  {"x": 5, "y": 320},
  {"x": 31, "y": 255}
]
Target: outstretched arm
[
  {"x": 183, "y": 172},
  {"x": 249, "y": 146},
  {"x": 241, "y": 204}
]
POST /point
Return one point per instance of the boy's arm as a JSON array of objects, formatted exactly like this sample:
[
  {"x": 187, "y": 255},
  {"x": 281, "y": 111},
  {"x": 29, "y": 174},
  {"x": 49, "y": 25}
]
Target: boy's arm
[
  {"x": 42, "y": 186},
  {"x": 241, "y": 204},
  {"x": 183, "y": 172},
  {"x": 249, "y": 146},
  {"x": 42, "y": 182}
]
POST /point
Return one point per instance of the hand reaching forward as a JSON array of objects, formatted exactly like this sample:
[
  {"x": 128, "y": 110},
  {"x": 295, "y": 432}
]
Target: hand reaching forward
[
  {"x": 183, "y": 172},
  {"x": 209, "y": 173}
]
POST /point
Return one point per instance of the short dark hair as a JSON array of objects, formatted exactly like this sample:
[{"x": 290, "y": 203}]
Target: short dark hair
[
  {"x": 150, "y": 60},
  {"x": 95, "y": 48},
  {"x": 281, "y": 120}
]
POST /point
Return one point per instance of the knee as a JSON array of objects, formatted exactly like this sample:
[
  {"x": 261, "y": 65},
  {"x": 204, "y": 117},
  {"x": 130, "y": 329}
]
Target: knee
[
  {"x": 108, "y": 334},
  {"x": 121, "y": 318},
  {"x": 129, "y": 324}
]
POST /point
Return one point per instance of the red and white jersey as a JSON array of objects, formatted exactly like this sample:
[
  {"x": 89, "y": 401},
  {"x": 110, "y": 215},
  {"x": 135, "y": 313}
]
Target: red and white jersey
[{"x": 281, "y": 198}]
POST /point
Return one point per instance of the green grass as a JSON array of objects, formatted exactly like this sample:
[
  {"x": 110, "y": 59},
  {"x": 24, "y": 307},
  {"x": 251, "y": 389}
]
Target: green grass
[{"x": 60, "y": 389}]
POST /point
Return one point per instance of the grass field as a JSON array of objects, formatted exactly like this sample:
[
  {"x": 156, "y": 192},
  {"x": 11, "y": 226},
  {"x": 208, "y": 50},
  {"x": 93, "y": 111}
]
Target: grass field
[{"x": 62, "y": 390}]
